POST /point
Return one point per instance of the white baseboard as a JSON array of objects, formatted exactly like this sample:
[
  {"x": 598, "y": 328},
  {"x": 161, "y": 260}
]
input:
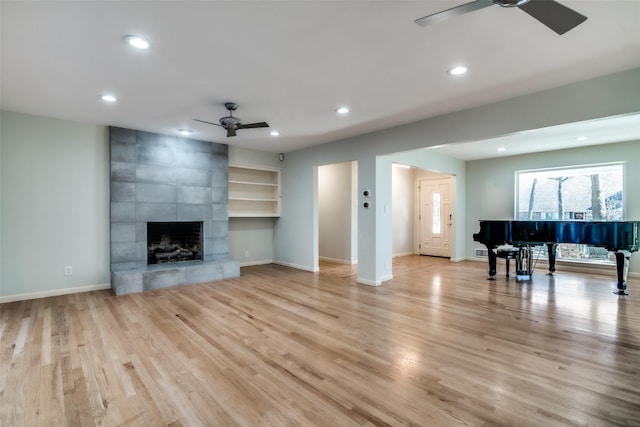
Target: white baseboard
[
  {"x": 374, "y": 282},
  {"x": 260, "y": 262},
  {"x": 299, "y": 267},
  {"x": 54, "y": 293},
  {"x": 369, "y": 282},
  {"x": 338, "y": 261},
  {"x": 402, "y": 254},
  {"x": 386, "y": 278}
]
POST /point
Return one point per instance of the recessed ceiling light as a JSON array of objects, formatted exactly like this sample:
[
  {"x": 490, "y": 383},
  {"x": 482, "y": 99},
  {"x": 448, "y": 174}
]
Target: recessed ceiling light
[
  {"x": 582, "y": 138},
  {"x": 457, "y": 70},
  {"x": 274, "y": 133},
  {"x": 108, "y": 98},
  {"x": 185, "y": 131},
  {"x": 137, "y": 42},
  {"x": 501, "y": 149},
  {"x": 342, "y": 110}
]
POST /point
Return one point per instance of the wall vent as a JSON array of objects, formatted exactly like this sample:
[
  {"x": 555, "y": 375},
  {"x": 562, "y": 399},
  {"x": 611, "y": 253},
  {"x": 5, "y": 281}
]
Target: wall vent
[{"x": 481, "y": 252}]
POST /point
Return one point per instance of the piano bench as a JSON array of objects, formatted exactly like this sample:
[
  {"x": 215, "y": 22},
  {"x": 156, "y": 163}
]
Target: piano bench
[{"x": 508, "y": 254}]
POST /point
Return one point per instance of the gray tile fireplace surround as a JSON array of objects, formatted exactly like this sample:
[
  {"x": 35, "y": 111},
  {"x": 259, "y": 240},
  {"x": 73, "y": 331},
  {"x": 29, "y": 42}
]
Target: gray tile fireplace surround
[{"x": 160, "y": 178}]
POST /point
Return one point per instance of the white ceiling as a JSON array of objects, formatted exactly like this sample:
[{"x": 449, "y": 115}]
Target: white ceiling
[
  {"x": 581, "y": 134},
  {"x": 292, "y": 63}
]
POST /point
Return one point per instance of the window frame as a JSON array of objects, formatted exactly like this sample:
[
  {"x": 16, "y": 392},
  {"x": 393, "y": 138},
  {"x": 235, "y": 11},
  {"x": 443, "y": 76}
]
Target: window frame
[{"x": 573, "y": 168}]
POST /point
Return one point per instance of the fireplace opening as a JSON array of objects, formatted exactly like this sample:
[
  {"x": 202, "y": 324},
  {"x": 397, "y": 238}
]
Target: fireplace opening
[{"x": 169, "y": 242}]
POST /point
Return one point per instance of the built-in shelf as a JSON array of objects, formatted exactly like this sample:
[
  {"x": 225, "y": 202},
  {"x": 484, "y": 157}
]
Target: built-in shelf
[{"x": 254, "y": 191}]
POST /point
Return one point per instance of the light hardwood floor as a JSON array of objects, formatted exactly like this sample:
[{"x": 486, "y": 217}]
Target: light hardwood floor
[{"x": 439, "y": 345}]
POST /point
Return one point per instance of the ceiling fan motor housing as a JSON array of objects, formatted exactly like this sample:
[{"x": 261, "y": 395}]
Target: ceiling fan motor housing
[{"x": 230, "y": 121}]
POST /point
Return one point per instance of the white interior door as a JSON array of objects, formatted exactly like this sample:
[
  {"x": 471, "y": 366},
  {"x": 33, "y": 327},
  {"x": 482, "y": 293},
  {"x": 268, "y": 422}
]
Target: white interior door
[{"x": 436, "y": 217}]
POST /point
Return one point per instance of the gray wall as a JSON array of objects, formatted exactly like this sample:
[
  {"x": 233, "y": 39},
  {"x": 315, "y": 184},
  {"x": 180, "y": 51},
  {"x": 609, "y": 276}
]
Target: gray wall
[
  {"x": 55, "y": 184},
  {"x": 55, "y": 205},
  {"x": 296, "y": 239},
  {"x": 491, "y": 183},
  {"x": 165, "y": 178}
]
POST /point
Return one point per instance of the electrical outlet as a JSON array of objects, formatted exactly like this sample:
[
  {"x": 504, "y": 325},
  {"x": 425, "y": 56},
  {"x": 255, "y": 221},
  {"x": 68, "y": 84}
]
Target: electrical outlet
[
  {"x": 246, "y": 254},
  {"x": 68, "y": 270}
]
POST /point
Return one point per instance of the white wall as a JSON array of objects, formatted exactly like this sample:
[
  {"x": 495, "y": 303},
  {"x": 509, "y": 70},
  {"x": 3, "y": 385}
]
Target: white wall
[
  {"x": 491, "y": 183},
  {"x": 335, "y": 205},
  {"x": 403, "y": 189},
  {"x": 251, "y": 239},
  {"x": 55, "y": 205},
  {"x": 295, "y": 237},
  {"x": 54, "y": 178}
]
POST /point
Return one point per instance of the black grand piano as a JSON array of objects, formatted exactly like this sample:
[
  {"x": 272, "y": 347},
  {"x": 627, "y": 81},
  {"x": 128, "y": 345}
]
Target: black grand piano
[{"x": 620, "y": 237}]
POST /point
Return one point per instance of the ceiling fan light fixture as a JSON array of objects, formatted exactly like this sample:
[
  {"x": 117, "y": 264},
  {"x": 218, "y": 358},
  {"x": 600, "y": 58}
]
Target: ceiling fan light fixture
[
  {"x": 137, "y": 42},
  {"x": 274, "y": 133},
  {"x": 185, "y": 132},
  {"x": 342, "y": 110},
  {"x": 510, "y": 3},
  {"x": 231, "y": 123},
  {"x": 458, "y": 70}
]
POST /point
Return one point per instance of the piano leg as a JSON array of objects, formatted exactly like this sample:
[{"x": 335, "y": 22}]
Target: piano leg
[
  {"x": 551, "y": 251},
  {"x": 622, "y": 266},
  {"x": 493, "y": 261}
]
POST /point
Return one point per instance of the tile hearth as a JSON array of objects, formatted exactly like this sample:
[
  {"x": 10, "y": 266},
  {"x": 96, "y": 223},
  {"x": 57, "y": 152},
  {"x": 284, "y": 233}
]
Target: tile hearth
[{"x": 160, "y": 276}]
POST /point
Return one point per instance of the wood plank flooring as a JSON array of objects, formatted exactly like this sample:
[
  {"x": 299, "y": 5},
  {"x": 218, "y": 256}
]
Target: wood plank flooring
[{"x": 439, "y": 345}]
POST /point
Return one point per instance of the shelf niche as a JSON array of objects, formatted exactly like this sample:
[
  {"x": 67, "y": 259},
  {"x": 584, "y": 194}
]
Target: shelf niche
[{"x": 254, "y": 191}]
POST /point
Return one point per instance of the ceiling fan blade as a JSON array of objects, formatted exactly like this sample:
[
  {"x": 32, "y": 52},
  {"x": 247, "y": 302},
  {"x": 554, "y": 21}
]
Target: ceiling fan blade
[
  {"x": 554, "y": 15},
  {"x": 253, "y": 125},
  {"x": 209, "y": 123},
  {"x": 231, "y": 132},
  {"x": 454, "y": 11}
]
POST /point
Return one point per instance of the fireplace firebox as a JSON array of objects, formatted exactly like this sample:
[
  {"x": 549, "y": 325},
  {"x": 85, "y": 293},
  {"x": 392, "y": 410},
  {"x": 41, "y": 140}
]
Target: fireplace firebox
[{"x": 171, "y": 242}]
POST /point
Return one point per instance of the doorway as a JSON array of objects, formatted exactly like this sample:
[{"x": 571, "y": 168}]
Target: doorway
[
  {"x": 337, "y": 214},
  {"x": 435, "y": 216}
]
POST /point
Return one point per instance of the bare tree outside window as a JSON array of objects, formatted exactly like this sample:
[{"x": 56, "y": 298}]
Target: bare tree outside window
[
  {"x": 598, "y": 206},
  {"x": 579, "y": 193},
  {"x": 560, "y": 180},
  {"x": 532, "y": 198}
]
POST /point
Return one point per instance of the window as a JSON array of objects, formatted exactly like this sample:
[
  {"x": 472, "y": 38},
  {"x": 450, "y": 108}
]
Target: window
[
  {"x": 435, "y": 214},
  {"x": 580, "y": 193}
]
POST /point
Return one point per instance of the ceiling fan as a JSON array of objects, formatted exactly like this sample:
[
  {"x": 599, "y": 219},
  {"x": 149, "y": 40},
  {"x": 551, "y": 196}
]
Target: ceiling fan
[
  {"x": 231, "y": 123},
  {"x": 549, "y": 12}
]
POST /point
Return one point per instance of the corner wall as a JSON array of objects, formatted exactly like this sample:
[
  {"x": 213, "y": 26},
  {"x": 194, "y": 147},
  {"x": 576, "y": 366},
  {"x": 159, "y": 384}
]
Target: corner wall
[
  {"x": 491, "y": 183},
  {"x": 55, "y": 206},
  {"x": 336, "y": 202},
  {"x": 251, "y": 239},
  {"x": 295, "y": 239},
  {"x": 402, "y": 211}
]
